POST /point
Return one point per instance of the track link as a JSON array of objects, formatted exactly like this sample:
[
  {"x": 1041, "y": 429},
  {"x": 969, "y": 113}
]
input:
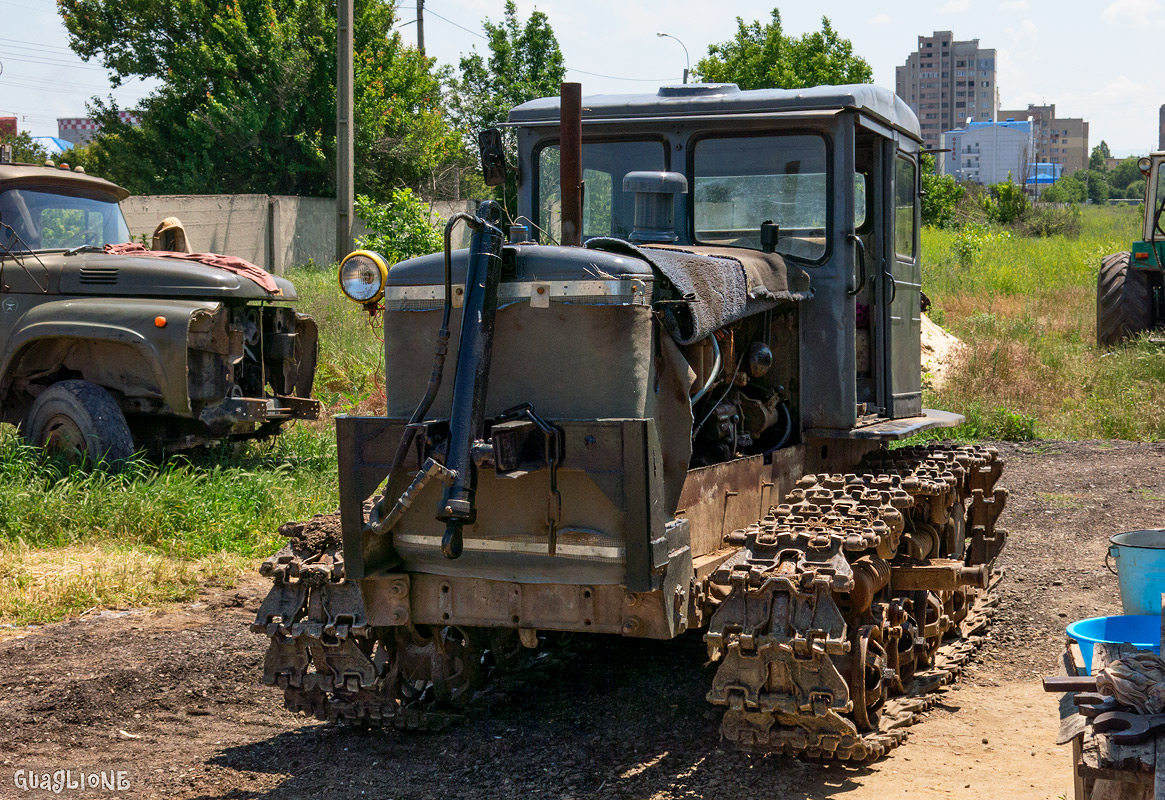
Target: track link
[{"x": 853, "y": 599}]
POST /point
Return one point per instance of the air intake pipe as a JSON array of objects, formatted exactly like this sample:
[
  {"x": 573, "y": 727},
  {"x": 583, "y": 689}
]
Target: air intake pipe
[{"x": 467, "y": 415}]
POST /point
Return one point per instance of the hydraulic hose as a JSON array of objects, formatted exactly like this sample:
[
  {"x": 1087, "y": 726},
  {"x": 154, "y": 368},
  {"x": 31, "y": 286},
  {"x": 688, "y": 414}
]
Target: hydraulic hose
[
  {"x": 712, "y": 377},
  {"x": 378, "y": 521},
  {"x": 471, "y": 379}
]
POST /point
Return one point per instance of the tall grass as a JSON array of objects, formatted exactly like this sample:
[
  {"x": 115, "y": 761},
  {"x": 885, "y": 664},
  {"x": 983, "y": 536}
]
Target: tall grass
[
  {"x": 351, "y": 366},
  {"x": 1027, "y": 309}
]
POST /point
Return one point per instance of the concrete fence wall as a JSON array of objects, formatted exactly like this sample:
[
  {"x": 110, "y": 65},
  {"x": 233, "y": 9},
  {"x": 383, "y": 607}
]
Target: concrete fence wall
[{"x": 273, "y": 232}]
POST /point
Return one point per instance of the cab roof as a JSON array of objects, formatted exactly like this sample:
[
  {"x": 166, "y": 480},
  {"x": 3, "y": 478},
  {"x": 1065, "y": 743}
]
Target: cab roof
[
  {"x": 706, "y": 99},
  {"x": 11, "y": 174}
]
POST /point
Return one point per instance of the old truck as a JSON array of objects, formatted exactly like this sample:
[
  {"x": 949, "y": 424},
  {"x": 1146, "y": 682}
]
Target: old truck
[
  {"x": 671, "y": 386},
  {"x": 107, "y": 348}
]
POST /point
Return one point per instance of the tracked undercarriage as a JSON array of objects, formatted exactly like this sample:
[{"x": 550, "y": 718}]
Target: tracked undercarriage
[{"x": 842, "y": 609}]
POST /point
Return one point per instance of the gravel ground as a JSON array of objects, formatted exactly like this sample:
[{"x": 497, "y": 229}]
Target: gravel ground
[{"x": 172, "y": 698}]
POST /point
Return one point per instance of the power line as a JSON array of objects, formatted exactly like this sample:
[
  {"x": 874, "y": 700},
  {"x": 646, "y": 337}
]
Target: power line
[
  {"x": 52, "y": 11},
  {"x": 430, "y": 10},
  {"x": 456, "y": 24},
  {"x": 26, "y": 45},
  {"x": 48, "y": 62}
]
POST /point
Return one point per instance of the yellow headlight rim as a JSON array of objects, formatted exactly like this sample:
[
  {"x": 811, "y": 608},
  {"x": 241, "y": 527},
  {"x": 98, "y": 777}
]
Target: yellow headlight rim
[{"x": 381, "y": 265}]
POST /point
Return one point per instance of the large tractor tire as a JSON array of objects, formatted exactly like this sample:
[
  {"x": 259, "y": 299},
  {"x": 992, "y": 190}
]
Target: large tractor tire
[
  {"x": 79, "y": 422},
  {"x": 1124, "y": 301}
]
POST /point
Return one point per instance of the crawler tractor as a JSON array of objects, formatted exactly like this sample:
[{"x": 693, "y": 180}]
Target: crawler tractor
[
  {"x": 660, "y": 401},
  {"x": 1130, "y": 291}
]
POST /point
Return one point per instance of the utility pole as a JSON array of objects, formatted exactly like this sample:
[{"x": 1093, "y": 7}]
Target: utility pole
[
  {"x": 421, "y": 26},
  {"x": 345, "y": 141}
]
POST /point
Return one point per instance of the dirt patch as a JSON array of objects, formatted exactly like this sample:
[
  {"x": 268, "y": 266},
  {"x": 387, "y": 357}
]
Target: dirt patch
[
  {"x": 173, "y": 699},
  {"x": 941, "y": 350}
]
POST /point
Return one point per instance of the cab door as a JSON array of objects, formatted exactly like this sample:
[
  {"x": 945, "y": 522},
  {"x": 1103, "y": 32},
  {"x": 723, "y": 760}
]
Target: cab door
[{"x": 898, "y": 289}]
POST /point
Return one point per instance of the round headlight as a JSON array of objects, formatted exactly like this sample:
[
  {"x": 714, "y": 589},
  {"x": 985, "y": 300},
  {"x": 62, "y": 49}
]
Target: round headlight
[
  {"x": 362, "y": 276},
  {"x": 1144, "y": 164}
]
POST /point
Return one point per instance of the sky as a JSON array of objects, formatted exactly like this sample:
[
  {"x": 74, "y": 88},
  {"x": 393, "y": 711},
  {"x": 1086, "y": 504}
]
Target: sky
[{"x": 1079, "y": 54}]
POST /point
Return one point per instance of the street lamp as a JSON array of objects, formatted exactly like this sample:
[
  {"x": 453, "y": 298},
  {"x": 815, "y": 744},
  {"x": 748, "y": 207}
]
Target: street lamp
[{"x": 687, "y": 60}]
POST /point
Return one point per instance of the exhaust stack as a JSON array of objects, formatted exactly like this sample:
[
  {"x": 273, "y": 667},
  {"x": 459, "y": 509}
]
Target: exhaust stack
[{"x": 570, "y": 162}]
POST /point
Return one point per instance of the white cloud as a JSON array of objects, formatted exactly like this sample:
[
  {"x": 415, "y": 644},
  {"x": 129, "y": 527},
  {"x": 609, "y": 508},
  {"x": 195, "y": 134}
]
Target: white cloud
[
  {"x": 1133, "y": 14},
  {"x": 1014, "y": 6},
  {"x": 880, "y": 19},
  {"x": 959, "y": 6},
  {"x": 1028, "y": 28}
]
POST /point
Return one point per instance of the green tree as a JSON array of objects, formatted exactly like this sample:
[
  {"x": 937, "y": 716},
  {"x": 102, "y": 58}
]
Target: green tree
[
  {"x": 940, "y": 195},
  {"x": 1069, "y": 189},
  {"x": 764, "y": 57},
  {"x": 24, "y": 149},
  {"x": 1096, "y": 161},
  {"x": 524, "y": 63},
  {"x": 400, "y": 227},
  {"x": 1097, "y": 182},
  {"x": 1005, "y": 202},
  {"x": 1124, "y": 173},
  {"x": 246, "y": 101}
]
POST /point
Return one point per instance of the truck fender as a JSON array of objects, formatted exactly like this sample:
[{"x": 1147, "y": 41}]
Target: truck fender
[{"x": 154, "y": 331}]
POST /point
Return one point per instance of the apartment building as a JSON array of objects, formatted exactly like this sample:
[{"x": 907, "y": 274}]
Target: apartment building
[
  {"x": 948, "y": 83},
  {"x": 988, "y": 152},
  {"x": 1057, "y": 140}
]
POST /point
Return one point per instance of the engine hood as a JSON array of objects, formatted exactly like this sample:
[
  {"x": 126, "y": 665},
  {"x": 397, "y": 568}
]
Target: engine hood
[{"x": 102, "y": 274}]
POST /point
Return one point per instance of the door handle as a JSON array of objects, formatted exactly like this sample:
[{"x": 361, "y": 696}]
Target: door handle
[
  {"x": 886, "y": 273},
  {"x": 861, "y": 248}
]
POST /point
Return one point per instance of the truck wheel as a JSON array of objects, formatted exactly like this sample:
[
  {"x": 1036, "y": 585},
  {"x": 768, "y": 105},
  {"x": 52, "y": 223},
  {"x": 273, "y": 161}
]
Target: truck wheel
[
  {"x": 79, "y": 421},
  {"x": 1124, "y": 301}
]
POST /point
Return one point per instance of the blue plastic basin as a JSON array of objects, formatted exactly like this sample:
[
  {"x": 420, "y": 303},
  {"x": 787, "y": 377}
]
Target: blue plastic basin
[{"x": 1142, "y": 631}]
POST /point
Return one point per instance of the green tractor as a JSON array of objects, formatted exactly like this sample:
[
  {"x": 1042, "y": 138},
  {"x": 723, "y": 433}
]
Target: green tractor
[{"x": 1130, "y": 293}]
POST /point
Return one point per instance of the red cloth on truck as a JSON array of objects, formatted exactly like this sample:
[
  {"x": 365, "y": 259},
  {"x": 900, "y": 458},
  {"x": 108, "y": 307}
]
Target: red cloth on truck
[{"x": 239, "y": 266}]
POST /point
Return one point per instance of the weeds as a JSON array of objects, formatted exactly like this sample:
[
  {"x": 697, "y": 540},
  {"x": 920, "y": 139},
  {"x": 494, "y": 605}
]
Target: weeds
[{"x": 1029, "y": 307}]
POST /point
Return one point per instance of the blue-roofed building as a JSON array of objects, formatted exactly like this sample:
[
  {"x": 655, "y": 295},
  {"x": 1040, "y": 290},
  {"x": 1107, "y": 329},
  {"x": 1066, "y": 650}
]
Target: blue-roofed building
[
  {"x": 987, "y": 152},
  {"x": 52, "y": 145}
]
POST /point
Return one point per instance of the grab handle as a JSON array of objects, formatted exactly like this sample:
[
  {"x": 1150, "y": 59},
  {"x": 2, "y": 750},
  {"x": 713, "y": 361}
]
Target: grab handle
[
  {"x": 1112, "y": 551},
  {"x": 861, "y": 248}
]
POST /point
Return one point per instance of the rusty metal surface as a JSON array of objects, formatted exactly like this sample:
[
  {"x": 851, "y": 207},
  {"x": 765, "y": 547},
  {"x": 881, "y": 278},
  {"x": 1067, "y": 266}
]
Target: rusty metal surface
[
  {"x": 835, "y": 617},
  {"x": 570, "y": 163}
]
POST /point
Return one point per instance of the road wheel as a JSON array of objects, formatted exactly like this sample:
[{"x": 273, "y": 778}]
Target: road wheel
[
  {"x": 79, "y": 422},
  {"x": 1124, "y": 301}
]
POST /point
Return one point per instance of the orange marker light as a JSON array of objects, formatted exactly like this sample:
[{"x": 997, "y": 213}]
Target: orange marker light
[{"x": 159, "y": 322}]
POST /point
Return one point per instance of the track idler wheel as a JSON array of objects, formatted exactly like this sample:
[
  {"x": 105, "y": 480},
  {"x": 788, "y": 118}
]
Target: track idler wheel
[{"x": 866, "y": 677}]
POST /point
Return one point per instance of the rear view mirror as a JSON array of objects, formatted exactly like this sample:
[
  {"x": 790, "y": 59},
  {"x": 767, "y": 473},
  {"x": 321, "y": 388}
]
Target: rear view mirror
[{"x": 493, "y": 157}]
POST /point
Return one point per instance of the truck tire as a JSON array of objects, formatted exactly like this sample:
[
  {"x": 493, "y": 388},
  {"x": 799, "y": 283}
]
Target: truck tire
[
  {"x": 79, "y": 421},
  {"x": 1124, "y": 301}
]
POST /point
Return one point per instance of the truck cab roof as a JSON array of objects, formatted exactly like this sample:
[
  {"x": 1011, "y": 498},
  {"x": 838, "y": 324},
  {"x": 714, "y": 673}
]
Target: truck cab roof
[
  {"x": 711, "y": 99},
  {"x": 56, "y": 177}
]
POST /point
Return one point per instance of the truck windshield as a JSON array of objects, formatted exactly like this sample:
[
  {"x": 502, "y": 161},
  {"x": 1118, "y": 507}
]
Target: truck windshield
[
  {"x": 607, "y": 209},
  {"x": 56, "y": 219},
  {"x": 743, "y": 181}
]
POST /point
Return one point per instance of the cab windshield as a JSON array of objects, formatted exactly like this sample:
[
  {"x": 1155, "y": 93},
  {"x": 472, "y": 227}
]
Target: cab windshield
[
  {"x": 607, "y": 209},
  {"x": 39, "y": 219},
  {"x": 743, "y": 181}
]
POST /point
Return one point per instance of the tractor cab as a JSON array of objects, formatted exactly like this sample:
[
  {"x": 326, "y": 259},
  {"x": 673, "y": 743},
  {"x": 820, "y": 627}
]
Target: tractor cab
[{"x": 825, "y": 178}]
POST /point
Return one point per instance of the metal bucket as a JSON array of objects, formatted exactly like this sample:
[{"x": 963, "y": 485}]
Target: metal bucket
[{"x": 1140, "y": 568}]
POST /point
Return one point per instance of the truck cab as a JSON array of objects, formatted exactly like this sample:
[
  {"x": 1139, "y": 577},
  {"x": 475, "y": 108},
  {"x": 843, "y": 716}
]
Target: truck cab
[{"x": 108, "y": 347}]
